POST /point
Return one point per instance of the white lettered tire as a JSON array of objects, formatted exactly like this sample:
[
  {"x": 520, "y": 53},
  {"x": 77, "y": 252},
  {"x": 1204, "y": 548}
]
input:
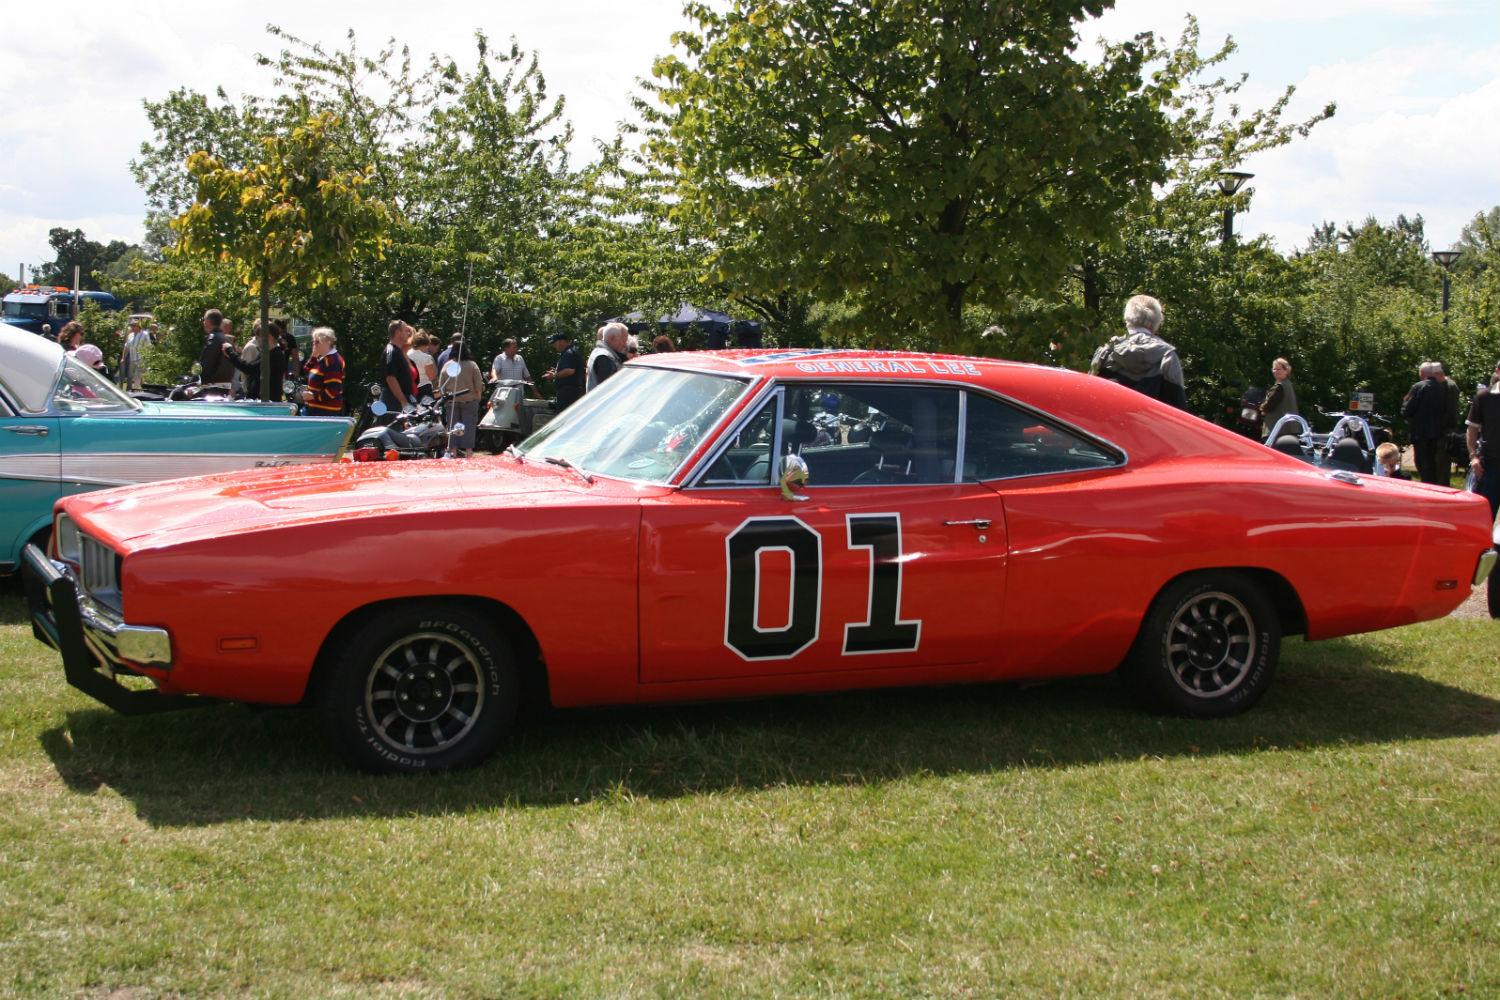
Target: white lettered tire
[
  {"x": 1207, "y": 648},
  {"x": 421, "y": 688}
]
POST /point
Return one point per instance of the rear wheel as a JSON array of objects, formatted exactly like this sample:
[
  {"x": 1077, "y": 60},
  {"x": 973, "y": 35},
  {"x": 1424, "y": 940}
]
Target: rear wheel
[
  {"x": 421, "y": 689},
  {"x": 1208, "y": 647}
]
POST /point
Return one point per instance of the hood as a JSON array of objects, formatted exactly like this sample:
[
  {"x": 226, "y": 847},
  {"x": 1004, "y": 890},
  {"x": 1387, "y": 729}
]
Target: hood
[{"x": 186, "y": 510}]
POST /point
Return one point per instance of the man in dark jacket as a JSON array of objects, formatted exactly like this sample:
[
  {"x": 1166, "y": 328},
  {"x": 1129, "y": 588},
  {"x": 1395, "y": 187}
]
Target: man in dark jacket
[
  {"x": 251, "y": 369},
  {"x": 1140, "y": 359},
  {"x": 1453, "y": 420},
  {"x": 214, "y": 367},
  {"x": 1425, "y": 408}
]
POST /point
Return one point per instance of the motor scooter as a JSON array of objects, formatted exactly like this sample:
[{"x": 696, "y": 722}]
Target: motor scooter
[{"x": 511, "y": 416}]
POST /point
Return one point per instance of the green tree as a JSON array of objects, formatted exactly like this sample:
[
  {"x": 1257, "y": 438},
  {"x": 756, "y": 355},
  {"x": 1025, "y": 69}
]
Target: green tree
[
  {"x": 911, "y": 157},
  {"x": 1227, "y": 306},
  {"x": 6, "y": 283},
  {"x": 288, "y": 217},
  {"x": 74, "y": 249}
]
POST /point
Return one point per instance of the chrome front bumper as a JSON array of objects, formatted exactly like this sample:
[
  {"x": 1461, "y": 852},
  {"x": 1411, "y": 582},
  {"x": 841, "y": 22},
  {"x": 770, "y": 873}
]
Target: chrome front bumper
[
  {"x": 95, "y": 643},
  {"x": 1486, "y": 566}
]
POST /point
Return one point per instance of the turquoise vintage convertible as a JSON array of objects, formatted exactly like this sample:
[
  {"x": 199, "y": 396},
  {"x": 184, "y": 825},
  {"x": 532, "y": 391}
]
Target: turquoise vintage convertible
[{"x": 65, "y": 429}]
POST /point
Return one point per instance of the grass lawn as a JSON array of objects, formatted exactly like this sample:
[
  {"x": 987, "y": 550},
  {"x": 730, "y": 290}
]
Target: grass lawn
[{"x": 1343, "y": 839}]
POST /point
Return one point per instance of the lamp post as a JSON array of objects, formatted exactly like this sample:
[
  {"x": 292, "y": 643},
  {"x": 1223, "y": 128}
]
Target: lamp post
[
  {"x": 1445, "y": 259},
  {"x": 1230, "y": 182}
]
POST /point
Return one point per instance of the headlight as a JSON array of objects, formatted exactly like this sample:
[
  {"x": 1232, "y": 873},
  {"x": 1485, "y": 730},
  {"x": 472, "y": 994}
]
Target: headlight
[{"x": 69, "y": 548}]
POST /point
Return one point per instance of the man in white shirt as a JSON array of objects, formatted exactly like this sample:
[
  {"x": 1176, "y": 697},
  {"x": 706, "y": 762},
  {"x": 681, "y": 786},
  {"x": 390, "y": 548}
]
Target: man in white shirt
[{"x": 509, "y": 364}]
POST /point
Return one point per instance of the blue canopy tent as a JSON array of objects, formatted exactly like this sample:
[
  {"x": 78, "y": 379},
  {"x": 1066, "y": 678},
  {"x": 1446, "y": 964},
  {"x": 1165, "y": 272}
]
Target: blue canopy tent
[{"x": 717, "y": 327}]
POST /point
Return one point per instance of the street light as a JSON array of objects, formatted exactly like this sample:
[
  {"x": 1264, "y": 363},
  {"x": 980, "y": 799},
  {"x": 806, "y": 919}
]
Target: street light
[
  {"x": 1230, "y": 182},
  {"x": 1446, "y": 259}
]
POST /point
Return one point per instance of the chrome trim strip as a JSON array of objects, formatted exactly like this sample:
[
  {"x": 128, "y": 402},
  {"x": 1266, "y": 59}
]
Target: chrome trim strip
[
  {"x": 124, "y": 468},
  {"x": 963, "y": 436}
]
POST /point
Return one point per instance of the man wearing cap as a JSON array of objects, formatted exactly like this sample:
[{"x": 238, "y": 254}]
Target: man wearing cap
[
  {"x": 568, "y": 372},
  {"x": 1484, "y": 441}
]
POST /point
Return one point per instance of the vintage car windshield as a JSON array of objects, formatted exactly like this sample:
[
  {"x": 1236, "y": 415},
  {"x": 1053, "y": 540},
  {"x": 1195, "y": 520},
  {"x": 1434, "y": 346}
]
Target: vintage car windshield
[
  {"x": 79, "y": 388},
  {"x": 641, "y": 424}
]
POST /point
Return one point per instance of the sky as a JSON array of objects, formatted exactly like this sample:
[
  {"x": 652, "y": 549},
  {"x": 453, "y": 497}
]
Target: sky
[{"x": 1417, "y": 83}]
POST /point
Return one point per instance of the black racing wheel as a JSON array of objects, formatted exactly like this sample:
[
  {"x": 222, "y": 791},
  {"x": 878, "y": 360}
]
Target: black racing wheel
[
  {"x": 423, "y": 688},
  {"x": 1207, "y": 648}
]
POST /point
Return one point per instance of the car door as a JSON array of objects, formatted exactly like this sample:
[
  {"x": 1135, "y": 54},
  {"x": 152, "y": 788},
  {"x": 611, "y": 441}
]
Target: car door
[
  {"x": 884, "y": 558},
  {"x": 30, "y": 467}
]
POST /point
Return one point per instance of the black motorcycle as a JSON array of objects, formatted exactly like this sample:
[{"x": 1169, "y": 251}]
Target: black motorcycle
[{"x": 416, "y": 431}]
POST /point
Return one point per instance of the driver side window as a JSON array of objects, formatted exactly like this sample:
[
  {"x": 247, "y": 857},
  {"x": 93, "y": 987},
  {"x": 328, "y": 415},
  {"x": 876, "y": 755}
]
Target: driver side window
[{"x": 748, "y": 461}]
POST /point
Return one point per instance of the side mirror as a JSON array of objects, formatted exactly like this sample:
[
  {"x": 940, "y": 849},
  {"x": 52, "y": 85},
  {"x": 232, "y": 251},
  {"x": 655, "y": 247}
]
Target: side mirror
[
  {"x": 794, "y": 474},
  {"x": 378, "y": 408},
  {"x": 452, "y": 369}
]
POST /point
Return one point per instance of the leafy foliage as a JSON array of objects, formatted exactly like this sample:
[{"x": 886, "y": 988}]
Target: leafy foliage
[
  {"x": 74, "y": 249},
  {"x": 909, "y": 157}
]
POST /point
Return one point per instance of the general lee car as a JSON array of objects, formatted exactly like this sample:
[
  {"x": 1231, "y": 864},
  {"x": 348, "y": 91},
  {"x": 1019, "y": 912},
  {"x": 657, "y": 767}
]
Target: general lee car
[
  {"x": 65, "y": 429},
  {"x": 962, "y": 520}
]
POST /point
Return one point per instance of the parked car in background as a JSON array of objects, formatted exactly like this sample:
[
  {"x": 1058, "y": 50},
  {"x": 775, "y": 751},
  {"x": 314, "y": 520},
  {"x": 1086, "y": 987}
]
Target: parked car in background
[
  {"x": 65, "y": 429},
  {"x": 730, "y": 525}
]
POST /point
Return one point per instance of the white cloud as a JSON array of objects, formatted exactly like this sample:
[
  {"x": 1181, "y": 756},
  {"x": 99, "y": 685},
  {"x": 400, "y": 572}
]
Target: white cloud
[
  {"x": 1389, "y": 150},
  {"x": 66, "y": 160}
]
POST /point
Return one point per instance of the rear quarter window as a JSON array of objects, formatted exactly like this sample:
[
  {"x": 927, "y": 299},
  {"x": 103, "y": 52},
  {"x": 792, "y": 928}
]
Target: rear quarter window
[{"x": 1002, "y": 441}]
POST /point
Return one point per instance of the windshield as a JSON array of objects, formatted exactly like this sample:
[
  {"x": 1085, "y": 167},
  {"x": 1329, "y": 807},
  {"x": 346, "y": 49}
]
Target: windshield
[
  {"x": 641, "y": 424},
  {"x": 81, "y": 388},
  {"x": 26, "y": 310}
]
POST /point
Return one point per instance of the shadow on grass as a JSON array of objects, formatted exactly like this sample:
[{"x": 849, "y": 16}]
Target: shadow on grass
[
  {"x": 13, "y": 601},
  {"x": 231, "y": 762}
]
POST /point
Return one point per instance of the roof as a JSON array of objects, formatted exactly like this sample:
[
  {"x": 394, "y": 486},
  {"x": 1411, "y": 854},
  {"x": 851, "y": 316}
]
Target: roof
[
  {"x": 803, "y": 362},
  {"x": 28, "y": 366}
]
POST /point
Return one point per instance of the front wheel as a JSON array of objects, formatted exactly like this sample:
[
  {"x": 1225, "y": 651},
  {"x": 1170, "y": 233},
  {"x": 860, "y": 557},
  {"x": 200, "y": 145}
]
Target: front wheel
[
  {"x": 1207, "y": 648},
  {"x": 421, "y": 689}
]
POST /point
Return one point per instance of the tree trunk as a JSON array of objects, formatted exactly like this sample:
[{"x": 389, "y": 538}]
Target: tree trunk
[{"x": 267, "y": 344}]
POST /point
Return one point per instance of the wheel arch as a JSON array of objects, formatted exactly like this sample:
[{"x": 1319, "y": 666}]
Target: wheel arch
[
  {"x": 524, "y": 644},
  {"x": 1277, "y": 588}
]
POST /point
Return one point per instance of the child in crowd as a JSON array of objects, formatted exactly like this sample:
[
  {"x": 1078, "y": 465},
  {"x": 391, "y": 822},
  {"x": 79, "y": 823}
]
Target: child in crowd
[{"x": 1388, "y": 461}]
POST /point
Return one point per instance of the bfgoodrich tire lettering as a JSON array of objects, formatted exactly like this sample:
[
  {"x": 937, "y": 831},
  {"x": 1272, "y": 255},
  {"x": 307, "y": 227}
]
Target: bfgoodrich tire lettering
[
  {"x": 421, "y": 689},
  {"x": 1208, "y": 647}
]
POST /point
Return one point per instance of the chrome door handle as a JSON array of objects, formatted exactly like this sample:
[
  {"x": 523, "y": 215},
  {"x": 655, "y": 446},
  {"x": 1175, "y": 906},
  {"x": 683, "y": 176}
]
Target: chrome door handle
[
  {"x": 33, "y": 430},
  {"x": 979, "y": 523}
]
